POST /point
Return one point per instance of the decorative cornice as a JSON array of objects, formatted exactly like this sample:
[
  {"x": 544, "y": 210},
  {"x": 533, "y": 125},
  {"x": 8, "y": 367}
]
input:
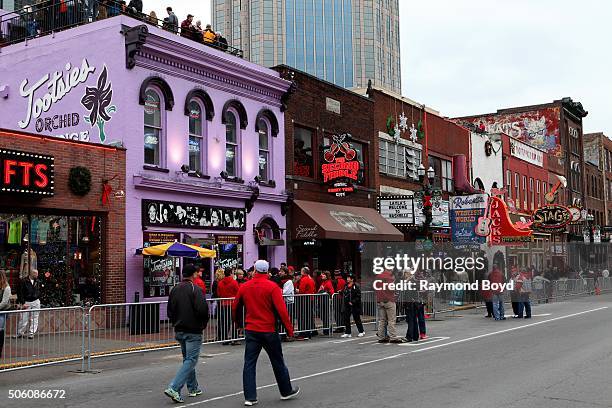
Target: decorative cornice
[
  {"x": 211, "y": 67},
  {"x": 202, "y": 188},
  {"x": 135, "y": 37}
]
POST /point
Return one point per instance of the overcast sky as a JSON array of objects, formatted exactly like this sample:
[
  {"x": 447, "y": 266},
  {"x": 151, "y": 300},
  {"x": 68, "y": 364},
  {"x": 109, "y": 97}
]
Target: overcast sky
[{"x": 466, "y": 57}]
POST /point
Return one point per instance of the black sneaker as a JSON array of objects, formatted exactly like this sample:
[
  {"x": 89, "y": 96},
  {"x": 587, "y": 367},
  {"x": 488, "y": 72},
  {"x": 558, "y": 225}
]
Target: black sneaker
[
  {"x": 385, "y": 340},
  {"x": 291, "y": 395}
]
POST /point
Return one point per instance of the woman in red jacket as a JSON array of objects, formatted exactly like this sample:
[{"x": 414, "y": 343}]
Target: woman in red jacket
[
  {"x": 226, "y": 288},
  {"x": 326, "y": 290}
]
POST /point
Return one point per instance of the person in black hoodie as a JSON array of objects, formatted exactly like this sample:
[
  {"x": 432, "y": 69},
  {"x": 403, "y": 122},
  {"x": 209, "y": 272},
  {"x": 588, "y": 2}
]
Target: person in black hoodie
[
  {"x": 188, "y": 313},
  {"x": 351, "y": 305}
]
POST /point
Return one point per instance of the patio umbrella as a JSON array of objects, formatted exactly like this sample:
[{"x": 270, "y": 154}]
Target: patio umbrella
[{"x": 178, "y": 249}]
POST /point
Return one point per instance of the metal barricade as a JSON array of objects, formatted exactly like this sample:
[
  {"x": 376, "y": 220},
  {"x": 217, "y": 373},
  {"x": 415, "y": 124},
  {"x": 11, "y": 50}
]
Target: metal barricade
[
  {"x": 310, "y": 313},
  {"x": 44, "y": 336}
]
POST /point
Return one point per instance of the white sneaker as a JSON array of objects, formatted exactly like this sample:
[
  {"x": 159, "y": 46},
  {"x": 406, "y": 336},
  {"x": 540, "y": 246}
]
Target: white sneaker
[
  {"x": 346, "y": 336},
  {"x": 250, "y": 403},
  {"x": 361, "y": 334}
]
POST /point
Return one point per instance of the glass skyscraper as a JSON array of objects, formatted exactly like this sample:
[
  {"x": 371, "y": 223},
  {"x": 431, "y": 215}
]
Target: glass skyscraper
[{"x": 346, "y": 42}]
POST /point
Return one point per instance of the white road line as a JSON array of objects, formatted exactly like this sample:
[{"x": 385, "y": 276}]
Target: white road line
[
  {"x": 350, "y": 339},
  {"x": 391, "y": 357},
  {"x": 207, "y": 355},
  {"x": 508, "y": 330},
  {"x": 541, "y": 314},
  {"x": 421, "y": 342},
  {"x": 369, "y": 342}
]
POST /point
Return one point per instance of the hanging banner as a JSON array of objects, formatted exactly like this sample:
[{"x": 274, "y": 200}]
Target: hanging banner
[{"x": 464, "y": 213}]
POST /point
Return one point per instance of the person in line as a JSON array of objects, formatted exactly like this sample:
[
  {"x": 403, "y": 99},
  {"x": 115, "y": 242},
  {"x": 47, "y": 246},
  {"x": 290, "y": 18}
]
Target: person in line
[
  {"x": 515, "y": 296},
  {"x": 305, "y": 286},
  {"x": 496, "y": 276},
  {"x": 171, "y": 22},
  {"x": 28, "y": 298},
  {"x": 188, "y": 313},
  {"x": 411, "y": 308},
  {"x": 385, "y": 300},
  {"x": 339, "y": 285},
  {"x": 227, "y": 288},
  {"x": 422, "y": 296},
  {"x": 199, "y": 281},
  {"x": 262, "y": 301},
  {"x": 209, "y": 35},
  {"x": 240, "y": 278},
  {"x": 326, "y": 291},
  {"x": 524, "y": 283},
  {"x": 5, "y": 304},
  {"x": 351, "y": 306},
  {"x": 288, "y": 293}
]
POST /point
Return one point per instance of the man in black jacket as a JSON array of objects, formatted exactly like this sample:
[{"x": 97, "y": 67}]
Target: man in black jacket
[
  {"x": 188, "y": 313},
  {"x": 28, "y": 298}
]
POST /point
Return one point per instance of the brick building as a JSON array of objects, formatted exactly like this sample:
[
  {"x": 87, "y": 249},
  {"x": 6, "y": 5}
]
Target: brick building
[
  {"x": 408, "y": 134},
  {"x": 67, "y": 229},
  {"x": 598, "y": 159},
  {"x": 331, "y": 157}
]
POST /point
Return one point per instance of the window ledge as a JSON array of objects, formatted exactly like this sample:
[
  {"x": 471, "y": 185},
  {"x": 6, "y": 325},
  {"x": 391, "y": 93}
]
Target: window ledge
[
  {"x": 155, "y": 168},
  {"x": 203, "y": 176},
  {"x": 270, "y": 183},
  {"x": 236, "y": 180}
]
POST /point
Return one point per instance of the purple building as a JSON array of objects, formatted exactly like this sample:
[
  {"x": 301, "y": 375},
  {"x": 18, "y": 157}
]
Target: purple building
[{"x": 203, "y": 129}]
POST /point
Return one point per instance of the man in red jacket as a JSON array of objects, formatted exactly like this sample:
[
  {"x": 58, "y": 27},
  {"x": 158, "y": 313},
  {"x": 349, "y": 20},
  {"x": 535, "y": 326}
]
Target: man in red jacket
[
  {"x": 305, "y": 311},
  {"x": 263, "y": 301},
  {"x": 227, "y": 288},
  {"x": 496, "y": 276}
]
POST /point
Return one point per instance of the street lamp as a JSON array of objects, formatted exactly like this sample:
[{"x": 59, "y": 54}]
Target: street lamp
[
  {"x": 426, "y": 194},
  {"x": 590, "y": 218}
]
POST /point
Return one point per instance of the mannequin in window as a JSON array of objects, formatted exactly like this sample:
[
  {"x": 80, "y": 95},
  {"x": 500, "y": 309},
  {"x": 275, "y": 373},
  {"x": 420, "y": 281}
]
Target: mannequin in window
[{"x": 26, "y": 263}]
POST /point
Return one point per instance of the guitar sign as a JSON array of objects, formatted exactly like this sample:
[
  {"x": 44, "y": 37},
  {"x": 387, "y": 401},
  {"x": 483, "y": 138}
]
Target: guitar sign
[
  {"x": 341, "y": 169},
  {"x": 551, "y": 196},
  {"x": 483, "y": 228}
]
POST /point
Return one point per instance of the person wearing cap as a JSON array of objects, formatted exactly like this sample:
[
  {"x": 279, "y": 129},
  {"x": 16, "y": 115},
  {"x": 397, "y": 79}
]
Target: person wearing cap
[
  {"x": 188, "y": 313},
  {"x": 187, "y": 29},
  {"x": 262, "y": 301}
]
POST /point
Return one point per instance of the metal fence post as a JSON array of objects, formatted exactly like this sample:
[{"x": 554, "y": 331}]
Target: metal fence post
[
  {"x": 83, "y": 329},
  {"x": 89, "y": 339}
]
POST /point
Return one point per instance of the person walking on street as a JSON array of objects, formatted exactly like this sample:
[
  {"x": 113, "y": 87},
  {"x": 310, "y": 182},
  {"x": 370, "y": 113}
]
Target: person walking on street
[
  {"x": 496, "y": 276},
  {"x": 351, "y": 306},
  {"x": 387, "y": 312},
  {"x": 188, "y": 313},
  {"x": 5, "y": 304},
  {"x": 262, "y": 300},
  {"x": 28, "y": 298}
]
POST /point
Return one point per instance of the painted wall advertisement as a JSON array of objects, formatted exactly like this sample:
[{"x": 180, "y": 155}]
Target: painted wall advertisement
[
  {"x": 464, "y": 214},
  {"x": 537, "y": 128},
  {"x": 73, "y": 101},
  {"x": 526, "y": 153}
]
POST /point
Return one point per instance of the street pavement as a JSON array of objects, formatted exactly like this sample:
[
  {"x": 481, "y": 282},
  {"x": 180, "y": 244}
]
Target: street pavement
[{"x": 560, "y": 358}]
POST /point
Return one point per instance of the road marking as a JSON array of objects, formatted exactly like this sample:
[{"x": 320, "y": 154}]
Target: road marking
[
  {"x": 427, "y": 341},
  {"x": 391, "y": 357},
  {"x": 508, "y": 330},
  {"x": 541, "y": 314},
  {"x": 369, "y": 342},
  {"x": 350, "y": 339},
  {"x": 209, "y": 355}
]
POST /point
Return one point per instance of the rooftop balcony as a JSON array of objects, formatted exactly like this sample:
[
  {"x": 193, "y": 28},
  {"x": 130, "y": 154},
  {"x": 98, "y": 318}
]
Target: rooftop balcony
[{"x": 51, "y": 16}]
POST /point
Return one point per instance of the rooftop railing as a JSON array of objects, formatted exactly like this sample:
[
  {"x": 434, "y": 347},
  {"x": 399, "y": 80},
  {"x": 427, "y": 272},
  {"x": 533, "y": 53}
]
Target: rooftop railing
[{"x": 51, "y": 16}]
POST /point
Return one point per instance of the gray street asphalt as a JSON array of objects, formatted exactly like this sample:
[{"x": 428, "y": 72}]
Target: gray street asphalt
[{"x": 560, "y": 358}]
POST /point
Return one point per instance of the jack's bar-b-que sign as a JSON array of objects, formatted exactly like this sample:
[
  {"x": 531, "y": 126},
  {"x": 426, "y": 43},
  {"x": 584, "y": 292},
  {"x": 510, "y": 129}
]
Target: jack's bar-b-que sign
[
  {"x": 341, "y": 169},
  {"x": 26, "y": 173},
  {"x": 551, "y": 218}
]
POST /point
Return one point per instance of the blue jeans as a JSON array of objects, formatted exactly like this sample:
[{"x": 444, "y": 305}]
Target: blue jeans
[
  {"x": 498, "y": 306},
  {"x": 2, "y": 321},
  {"x": 270, "y": 342},
  {"x": 190, "y": 347},
  {"x": 524, "y": 305}
]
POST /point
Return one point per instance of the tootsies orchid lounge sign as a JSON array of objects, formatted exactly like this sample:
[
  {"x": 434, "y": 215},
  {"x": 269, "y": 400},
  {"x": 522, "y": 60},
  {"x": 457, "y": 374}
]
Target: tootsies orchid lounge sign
[
  {"x": 26, "y": 173},
  {"x": 341, "y": 167}
]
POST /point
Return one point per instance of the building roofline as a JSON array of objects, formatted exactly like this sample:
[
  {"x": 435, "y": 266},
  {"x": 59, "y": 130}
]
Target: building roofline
[
  {"x": 405, "y": 99},
  {"x": 567, "y": 103}
]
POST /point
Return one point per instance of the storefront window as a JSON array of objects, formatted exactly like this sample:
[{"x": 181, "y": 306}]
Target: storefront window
[
  {"x": 152, "y": 127},
  {"x": 65, "y": 250},
  {"x": 231, "y": 145},
  {"x": 444, "y": 173},
  {"x": 302, "y": 152},
  {"x": 161, "y": 273},
  {"x": 196, "y": 134},
  {"x": 264, "y": 150}
]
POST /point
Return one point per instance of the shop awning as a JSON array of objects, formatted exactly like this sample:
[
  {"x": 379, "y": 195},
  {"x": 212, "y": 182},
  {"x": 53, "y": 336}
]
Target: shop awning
[{"x": 313, "y": 220}]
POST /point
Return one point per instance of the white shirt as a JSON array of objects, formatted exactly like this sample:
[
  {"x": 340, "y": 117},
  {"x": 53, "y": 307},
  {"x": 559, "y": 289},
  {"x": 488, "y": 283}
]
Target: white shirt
[{"x": 288, "y": 292}]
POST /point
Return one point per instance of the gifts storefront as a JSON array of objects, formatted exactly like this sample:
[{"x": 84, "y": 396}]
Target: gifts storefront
[{"x": 57, "y": 210}]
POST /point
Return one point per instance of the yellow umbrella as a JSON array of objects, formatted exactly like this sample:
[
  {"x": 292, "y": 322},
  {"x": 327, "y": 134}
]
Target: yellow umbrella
[{"x": 179, "y": 249}]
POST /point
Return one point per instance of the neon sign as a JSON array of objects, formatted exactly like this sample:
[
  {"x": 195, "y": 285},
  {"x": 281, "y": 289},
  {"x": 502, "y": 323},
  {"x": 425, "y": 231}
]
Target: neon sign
[
  {"x": 341, "y": 169},
  {"x": 26, "y": 173}
]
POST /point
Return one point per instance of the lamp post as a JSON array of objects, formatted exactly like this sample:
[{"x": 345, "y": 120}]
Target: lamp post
[
  {"x": 426, "y": 193},
  {"x": 590, "y": 218}
]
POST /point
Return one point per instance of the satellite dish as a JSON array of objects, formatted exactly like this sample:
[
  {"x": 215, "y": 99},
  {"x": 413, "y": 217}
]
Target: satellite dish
[{"x": 605, "y": 273}]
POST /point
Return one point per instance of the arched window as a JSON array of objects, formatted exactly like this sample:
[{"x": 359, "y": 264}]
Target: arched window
[
  {"x": 196, "y": 136},
  {"x": 153, "y": 127},
  {"x": 264, "y": 150},
  {"x": 231, "y": 144}
]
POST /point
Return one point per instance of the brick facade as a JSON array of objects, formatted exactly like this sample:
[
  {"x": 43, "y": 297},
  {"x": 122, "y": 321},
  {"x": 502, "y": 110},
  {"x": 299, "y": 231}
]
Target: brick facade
[{"x": 104, "y": 162}]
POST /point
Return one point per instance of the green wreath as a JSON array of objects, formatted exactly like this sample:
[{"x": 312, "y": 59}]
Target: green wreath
[{"x": 79, "y": 180}]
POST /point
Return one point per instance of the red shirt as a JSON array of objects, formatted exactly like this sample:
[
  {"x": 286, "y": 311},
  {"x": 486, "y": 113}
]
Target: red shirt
[
  {"x": 306, "y": 285},
  {"x": 385, "y": 295},
  {"x": 227, "y": 288},
  {"x": 496, "y": 276},
  {"x": 263, "y": 301},
  {"x": 199, "y": 282},
  {"x": 340, "y": 284},
  {"x": 327, "y": 286}
]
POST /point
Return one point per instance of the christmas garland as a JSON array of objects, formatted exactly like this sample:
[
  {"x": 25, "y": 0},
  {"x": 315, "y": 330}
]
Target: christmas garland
[{"x": 79, "y": 180}]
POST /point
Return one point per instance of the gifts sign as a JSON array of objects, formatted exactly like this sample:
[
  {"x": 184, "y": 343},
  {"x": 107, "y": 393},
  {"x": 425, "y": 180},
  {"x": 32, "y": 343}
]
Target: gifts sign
[{"x": 341, "y": 169}]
